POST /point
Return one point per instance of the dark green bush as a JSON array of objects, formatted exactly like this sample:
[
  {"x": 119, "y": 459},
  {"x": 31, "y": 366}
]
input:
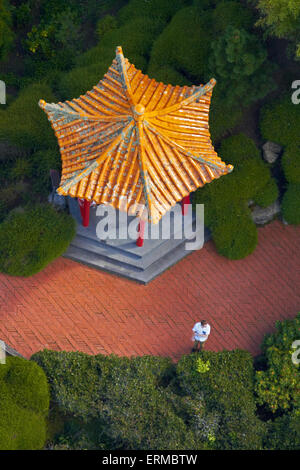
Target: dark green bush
[
  {"x": 231, "y": 13},
  {"x": 79, "y": 80},
  {"x": 24, "y": 405},
  {"x": 225, "y": 385},
  {"x": 153, "y": 9},
  {"x": 30, "y": 239},
  {"x": 291, "y": 163},
  {"x": 74, "y": 381},
  {"x": 6, "y": 33},
  {"x": 126, "y": 400},
  {"x": 10, "y": 196},
  {"x": 237, "y": 238},
  {"x": 268, "y": 194},
  {"x": 284, "y": 432},
  {"x": 280, "y": 121},
  {"x": 40, "y": 165},
  {"x": 223, "y": 118},
  {"x": 277, "y": 387},
  {"x": 105, "y": 25},
  {"x": 24, "y": 123},
  {"x": 21, "y": 169},
  {"x": 187, "y": 53},
  {"x": 238, "y": 60},
  {"x": 238, "y": 148},
  {"x": 291, "y": 204}
]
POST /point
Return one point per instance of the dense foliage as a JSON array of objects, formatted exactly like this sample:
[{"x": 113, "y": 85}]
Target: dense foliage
[
  {"x": 146, "y": 403},
  {"x": 31, "y": 238},
  {"x": 277, "y": 387},
  {"x": 205, "y": 401},
  {"x": 281, "y": 18},
  {"x": 24, "y": 405},
  {"x": 6, "y": 33}
]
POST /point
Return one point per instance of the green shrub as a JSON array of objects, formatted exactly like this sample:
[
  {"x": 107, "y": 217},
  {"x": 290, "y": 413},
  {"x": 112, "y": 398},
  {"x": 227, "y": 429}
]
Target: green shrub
[
  {"x": 24, "y": 405},
  {"x": 220, "y": 126},
  {"x": 268, "y": 194},
  {"x": 32, "y": 238},
  {"x": 277, "y": 387},
  {"x": 24, "y": 123},
  {"x": 126, "y": 401},
  {"x": 291, "y": 204},
  {"x": 239, "y": 61},
  {"x": 74, "y": 382},
  {"x": 227, "y": 391},
  {"x": 280, "y": 121},
  {"x": 231, "y": 13},
  {"x": 10, "y": 196},
  {"x": 40, "y": 165},
  {"x": 6, "y": 33},
  {"x": 135, "y": 37},
  {"x": 237, "y": 238},
  {"x": 187, "y": 53},
  {"x": 291, "y": 163},
  {"x": 153, "y": 9},
  {"x": 284, "y": 432},
  {"x": 79, "y": 80},
  {"x": 238, "y": 148},
  {"x": 105, "y": 25},
  {"x": 21, "y": 169}
]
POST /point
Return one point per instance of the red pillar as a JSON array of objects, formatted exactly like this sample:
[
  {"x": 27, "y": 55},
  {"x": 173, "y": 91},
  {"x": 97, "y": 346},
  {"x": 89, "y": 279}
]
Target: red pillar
[
  {"x": 84, "y": 207},
  {"x": 185, "y": 202},
  {"x": 140, "y": 239}
]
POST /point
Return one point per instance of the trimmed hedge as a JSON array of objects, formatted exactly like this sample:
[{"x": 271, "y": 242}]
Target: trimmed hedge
[
  {"x": 238, "y": 148},
  {"x": 291, "y": 163},
  {"x": 24, "y": 405},
  {"x": 40, "y": 165},
  {"x": 24, "y": 123},
  {"x": 153, "y": 9},
  {"x": 7, "y": 35},
  {"x": 126, "y": 401},
  {"x": 187, "y": 53},
  {"x": 33, "y": 237},
  {"x": 280, "y": 121},
  {"x": 222, "y": 117},
  {"x": 231, "y": 13},
  {"x": 236, "y": 238},
  {"x": 268, "y": 194},
  {"x": 291, "y": 204}
]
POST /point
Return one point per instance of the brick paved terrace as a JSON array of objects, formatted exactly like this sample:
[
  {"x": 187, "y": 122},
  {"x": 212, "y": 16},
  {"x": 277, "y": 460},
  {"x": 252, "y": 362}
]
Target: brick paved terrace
[{"x": 69, "y": 306}]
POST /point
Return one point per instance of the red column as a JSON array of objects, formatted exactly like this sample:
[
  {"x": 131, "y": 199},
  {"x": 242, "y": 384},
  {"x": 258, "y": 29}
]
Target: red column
[
  {"x": 84, "y": 207},
  {"x": 185, "y": 202},
  {"x": 140, "y": 239}
]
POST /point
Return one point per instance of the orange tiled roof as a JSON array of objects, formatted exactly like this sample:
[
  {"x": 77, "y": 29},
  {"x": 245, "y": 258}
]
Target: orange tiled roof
[{"x": 135, "y": 143}]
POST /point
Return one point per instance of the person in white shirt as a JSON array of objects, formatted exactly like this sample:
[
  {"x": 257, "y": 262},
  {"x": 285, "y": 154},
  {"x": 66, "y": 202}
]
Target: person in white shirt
[{"x": 201, "y": 331}]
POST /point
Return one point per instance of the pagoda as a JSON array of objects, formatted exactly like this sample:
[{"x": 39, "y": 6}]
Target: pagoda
[{"x": 136, "y": 144}]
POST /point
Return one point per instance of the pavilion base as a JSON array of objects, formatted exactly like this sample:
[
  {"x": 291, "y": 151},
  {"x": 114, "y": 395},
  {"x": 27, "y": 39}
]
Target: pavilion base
[{"x": 124, "y": 257}]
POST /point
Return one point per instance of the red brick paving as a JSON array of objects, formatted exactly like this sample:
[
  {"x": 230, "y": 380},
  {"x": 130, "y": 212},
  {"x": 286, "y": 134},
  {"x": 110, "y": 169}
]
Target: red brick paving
[{"x": 69, "y": 306}]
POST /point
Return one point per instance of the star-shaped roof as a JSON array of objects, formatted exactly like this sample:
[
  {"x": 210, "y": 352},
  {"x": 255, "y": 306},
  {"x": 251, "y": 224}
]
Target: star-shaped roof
[{"x": 135, "y": 143}]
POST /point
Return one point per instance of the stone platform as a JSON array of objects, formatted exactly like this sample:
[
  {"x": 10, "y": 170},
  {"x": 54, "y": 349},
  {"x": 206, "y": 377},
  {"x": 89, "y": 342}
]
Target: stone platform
[{"x": 121, "y": 256}]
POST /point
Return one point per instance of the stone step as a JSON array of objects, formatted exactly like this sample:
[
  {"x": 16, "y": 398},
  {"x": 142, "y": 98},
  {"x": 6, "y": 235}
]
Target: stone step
[
  {"x": 125, "y": 256},
  {"x": 130, "y": 272}
]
